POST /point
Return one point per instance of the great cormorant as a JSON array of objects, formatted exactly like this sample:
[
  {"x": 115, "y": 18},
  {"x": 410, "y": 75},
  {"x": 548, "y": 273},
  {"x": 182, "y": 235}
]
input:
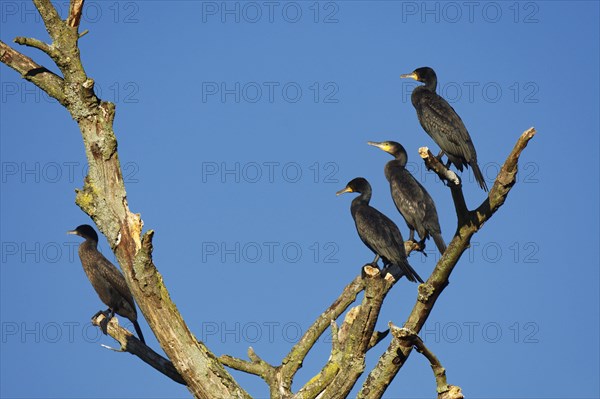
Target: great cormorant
[
  {"x": 412, "y": 200},
  {"x": 107, "y": 280},
  {"x": 378, "y": 232},
  {"x": 443, "y": 124}
]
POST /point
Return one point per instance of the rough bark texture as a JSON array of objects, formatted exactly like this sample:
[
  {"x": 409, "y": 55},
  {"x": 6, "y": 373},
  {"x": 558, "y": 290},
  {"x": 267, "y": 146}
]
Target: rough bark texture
[{"x": 104, "y": 199}]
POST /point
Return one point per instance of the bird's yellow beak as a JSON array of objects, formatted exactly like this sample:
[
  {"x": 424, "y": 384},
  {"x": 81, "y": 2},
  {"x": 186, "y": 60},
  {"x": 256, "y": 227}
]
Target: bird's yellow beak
[
  {"x": 383, "y": 145},
  {"x": 412, "y": 75},
  {"x": 344, "y": 190},
  {"x": 72, "y": 232}
]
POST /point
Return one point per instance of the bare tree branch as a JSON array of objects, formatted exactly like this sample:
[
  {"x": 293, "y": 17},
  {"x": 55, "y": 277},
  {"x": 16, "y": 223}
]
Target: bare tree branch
[
  {"x": 251, "y": 367},
  {"x": 50, "y": 16},
  {"x": 355, "y": 336},
  {"x": 453, "y": 392},
  {"x": 129, "y": 343},
  {"x": 293, "y": 361},
  {"x": 75, "y": 9},
  {"x": 104, "y": 199},
  {"x": 33, "y": 72},
  {"x": 280, "y": 378},
  {"x": 317, "y": 384},
  {"x": 433, "y": 163},
  {"x": 404, "y": 334},
  {"x": 256, "y": 366},
  {"x": 395, "y": 356},
  {"x": 35, "y": 43},
  {"x": 347, "y": 360},
  {"x": 193, "y": 360}
]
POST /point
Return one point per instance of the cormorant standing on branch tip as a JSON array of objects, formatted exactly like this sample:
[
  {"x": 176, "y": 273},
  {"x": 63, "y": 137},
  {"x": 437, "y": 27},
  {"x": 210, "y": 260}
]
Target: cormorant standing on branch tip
[
  {"x": 378, "y": 232},
  {"x": 443, "y": 124},
  {"x": 107, "y": 280},
  {"x": 411, "y": 199}
]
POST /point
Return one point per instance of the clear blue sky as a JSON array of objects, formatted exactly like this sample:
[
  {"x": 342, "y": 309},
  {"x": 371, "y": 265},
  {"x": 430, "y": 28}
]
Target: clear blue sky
[{"x": 238, "y": 122}]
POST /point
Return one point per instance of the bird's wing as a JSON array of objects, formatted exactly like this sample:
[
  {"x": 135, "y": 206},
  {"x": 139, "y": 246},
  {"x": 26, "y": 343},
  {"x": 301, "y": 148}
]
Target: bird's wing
[
  {"x": 429, "y": 217},
  {"x": 380, "y": 234},
  {"x": 431, "y": 221},
  {"x": 110, "y": 272},
  {"x": 407, "y": 194},
  {"x": 445, "y": 126}
]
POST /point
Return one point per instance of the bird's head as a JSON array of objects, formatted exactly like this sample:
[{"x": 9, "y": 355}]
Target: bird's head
[
  {"x": 357, "y": 185},
  {"x": 86, "y": 231},
  {"x": 423, "y": 74},
  {"x": 391, "y": 147}
]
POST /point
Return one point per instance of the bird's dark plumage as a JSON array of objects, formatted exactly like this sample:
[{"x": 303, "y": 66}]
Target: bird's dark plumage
[
  {"x": 107, "y": 280},
  {"x": 377, "y": 231},
  {"x": 412, "y": 200},
  {"x": 443, "y": 124}
]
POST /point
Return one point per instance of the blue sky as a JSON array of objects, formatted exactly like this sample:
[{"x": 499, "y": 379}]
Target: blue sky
[{"x": 237, "y": 123}]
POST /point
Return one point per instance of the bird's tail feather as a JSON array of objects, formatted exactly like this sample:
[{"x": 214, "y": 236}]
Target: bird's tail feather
[
  {"x": 411, "y": 274},
  {"x": 138, "y": 331},
  {"x": 478, "y": 175},
  {"x": 404, "y": 269},
  {"x": 439, "y": 242}
]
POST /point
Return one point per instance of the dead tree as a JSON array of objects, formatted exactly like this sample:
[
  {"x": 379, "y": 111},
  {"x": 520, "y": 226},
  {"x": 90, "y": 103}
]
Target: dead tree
[{"x": 103, "y": 198}]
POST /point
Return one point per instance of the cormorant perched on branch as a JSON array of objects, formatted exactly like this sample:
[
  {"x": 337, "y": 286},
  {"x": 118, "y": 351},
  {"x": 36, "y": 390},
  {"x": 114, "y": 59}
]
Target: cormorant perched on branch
[
  {"x": 378, "y": 232},
  {"x": 443, "y": 124},
  {"x": 412, "y": 200},
  {"x": 107, "y": 280}
]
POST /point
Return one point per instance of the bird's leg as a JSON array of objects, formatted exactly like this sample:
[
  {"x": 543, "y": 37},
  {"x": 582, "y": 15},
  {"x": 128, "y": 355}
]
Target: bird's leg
[
  {"x": 374, "y": 263},
  {"x": 370, "y": 268},
  {"x": 422, "y": 247},
  {"x": 440, "y": 155},
  {"x": 391, "y": 271},
  {"x": 411, "y": 236},
  {"x": 108, "y": 314},
  {"x": 98, "y": 313},
  {"x": 415, "y": 245}
]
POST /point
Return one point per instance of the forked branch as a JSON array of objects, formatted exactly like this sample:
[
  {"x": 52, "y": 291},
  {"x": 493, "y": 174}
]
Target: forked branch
[
  {"x": 104, "y": 199},
  {"x": 395, "y": 356},
  {"x": 412, "y": 339}
]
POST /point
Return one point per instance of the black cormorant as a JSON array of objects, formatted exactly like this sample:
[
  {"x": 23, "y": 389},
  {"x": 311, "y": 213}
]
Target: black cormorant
[
  {"x": 378, "y": 232},
  {"x": 107, "y": 280},
  {"x": 443, "y": 124},
  {"x": 412, "y": 200}
]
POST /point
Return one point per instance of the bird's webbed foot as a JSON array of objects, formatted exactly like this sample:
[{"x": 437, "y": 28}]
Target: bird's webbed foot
[
  {"x": 440, "y": 155},
  {"x": 421, "y": 247},
  {"x": 412, "y": 245},
  {"x": 108, "y": 314},
  {"x": 98, "y": 313}
]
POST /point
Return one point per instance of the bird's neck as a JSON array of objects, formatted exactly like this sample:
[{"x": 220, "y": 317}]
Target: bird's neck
[
  {"x": 394, "y": 165},
  {"x": 431, "y": 85},
  {"x": 362, "y": 199},
  {"x": 400, "y": 159},
  {"x": 89, "y": 244}
]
